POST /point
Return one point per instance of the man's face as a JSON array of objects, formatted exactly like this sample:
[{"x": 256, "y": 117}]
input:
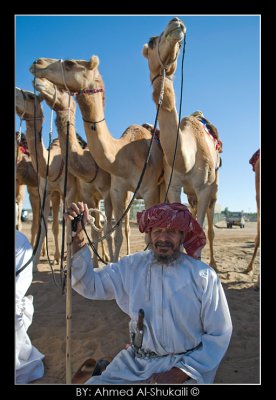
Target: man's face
[{"x": 166, "y": 243}]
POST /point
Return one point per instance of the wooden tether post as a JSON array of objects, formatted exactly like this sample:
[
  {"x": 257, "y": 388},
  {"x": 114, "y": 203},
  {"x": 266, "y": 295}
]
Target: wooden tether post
[{"x": 68, "y": 305}]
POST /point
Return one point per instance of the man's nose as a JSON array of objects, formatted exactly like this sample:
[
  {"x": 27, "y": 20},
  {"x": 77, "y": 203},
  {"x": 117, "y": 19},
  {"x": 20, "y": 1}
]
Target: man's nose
[{"x": 163, "y": 235}]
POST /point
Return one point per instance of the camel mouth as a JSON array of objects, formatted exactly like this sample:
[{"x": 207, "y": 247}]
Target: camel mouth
[
  {"x": 37, "y": 68},
  {"x": 37, "y": 72},
  {"x": 176, "y": 30}
]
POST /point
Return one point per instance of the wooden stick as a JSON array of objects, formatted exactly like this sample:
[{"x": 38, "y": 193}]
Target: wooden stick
[{"x": 68, "y": 305}]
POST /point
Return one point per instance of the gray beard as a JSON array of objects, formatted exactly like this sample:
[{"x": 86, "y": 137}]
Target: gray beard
[{"x": 163, "y": 259}]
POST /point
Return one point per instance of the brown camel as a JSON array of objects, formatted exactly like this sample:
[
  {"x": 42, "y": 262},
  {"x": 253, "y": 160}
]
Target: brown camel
[
  {"x": 25, "y": 104},
  {"x": 93, "y": 182},
  {"x": 256, "y": 168},
  {"x": 197, "y": 158},
  {"x": 123, "y": 158},
  {"x": 26, "y": 176}
]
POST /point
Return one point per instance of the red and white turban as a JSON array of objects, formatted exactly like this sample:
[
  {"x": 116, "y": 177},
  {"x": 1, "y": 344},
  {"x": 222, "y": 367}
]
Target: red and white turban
[{"x": 174, "y": 216}]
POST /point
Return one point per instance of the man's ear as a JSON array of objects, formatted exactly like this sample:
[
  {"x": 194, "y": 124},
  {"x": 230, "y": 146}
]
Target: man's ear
[{"x": 148, "y": 238}]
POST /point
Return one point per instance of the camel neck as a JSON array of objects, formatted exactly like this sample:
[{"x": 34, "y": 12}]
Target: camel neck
[
  {"x": 102, "y": 145},
  {"x": 167, "y": 118},
  {"x": 38, "y": 152},
  {"x": 81, "y": 162}
]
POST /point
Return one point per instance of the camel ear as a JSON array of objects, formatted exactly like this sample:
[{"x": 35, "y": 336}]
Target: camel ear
[
  {"x": 93, "y": 62},
  {"x": 145, "y": 50}
]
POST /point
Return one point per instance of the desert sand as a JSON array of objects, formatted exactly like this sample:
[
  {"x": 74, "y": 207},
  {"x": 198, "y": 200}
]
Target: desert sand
[{"x": 100, "y": 328}]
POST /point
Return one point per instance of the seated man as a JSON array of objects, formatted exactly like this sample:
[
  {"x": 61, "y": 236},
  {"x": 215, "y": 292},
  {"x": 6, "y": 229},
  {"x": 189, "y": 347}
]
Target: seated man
[
  {"x": 28, "y": 360},
  {"x": 180, "y": 326}
]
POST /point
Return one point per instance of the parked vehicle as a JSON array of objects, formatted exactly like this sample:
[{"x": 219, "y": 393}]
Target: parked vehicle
[
  {"x": 24, "y": 215},
  {"x": 235, "y": 218}
]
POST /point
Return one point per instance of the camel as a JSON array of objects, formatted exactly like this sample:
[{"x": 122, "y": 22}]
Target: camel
[
  {"x": 197, "y": 159},
  {"x": 93, "y": 182},
  {"x": 25, "y": 104},
  {"x": 123, "y": 158},
  {"x": 256, "y": 168},
  {"x": 26, "y": 176}
]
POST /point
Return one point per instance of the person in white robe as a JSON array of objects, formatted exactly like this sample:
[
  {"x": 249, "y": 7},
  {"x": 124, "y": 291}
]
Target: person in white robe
[
  {"x": 186, "y": 324},
  {"x": 28, "y": 360}
]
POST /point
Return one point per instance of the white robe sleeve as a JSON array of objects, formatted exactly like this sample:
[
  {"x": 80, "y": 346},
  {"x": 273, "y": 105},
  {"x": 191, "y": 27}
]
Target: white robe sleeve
[
  {"x": 105, "y": 283},
  {"x": 202, "y": 363}
]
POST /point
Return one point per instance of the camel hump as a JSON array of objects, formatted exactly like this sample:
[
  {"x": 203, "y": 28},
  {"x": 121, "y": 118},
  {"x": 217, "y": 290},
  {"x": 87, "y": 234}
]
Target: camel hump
[
  {"x": 136, "y": 132},
  {"x": 210, "y": 127}
]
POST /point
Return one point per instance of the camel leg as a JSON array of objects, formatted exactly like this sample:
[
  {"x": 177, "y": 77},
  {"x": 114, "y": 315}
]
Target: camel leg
[
  {"x": 211, "y": 233},
  {"x": 105, "y": 255},
  {"x": 20, "y": 192},
  {"x": 174, "y": 193},
  {"x": 43, "y": 230},
  {"x": 43, "y": 248},
  {"x": 127, "y": 232},
  {"x": 162, "y": 192},
  {"x": 127, "y": 225},
  {"x": 193, "y": 204},
  {"x": 118, "y": 198},
  {"x": 55, "y": 199},
  {"x": 249, "y": 269},
  {"x": 34, "y": 200},
  {"x": 257, "y": 239},
  {"x": 96, "y": 236},
  {"x": 108, "y": 227},
  {"x": 203, "y": 199}
]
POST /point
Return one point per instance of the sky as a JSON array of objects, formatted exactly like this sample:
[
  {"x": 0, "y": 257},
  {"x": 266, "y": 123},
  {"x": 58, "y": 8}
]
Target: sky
[{"x": 221, "y": 78}]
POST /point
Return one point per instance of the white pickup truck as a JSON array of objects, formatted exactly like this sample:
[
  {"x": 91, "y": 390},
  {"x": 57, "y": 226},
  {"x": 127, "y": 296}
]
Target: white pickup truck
[{"x": 235, "y": 218}]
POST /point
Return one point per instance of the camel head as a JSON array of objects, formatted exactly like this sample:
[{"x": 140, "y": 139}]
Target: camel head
[
  {"x": 162, "y": 51},
  {"x": 72, "y": 75},
  {"x": 55, "y": 97},
  {"x": 25, "y": 102}
]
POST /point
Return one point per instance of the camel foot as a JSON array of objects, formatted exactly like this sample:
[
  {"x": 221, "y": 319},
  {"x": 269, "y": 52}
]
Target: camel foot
[
  {"x": 249, "y": 271},
  {"x": 106, "y": 258}
]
